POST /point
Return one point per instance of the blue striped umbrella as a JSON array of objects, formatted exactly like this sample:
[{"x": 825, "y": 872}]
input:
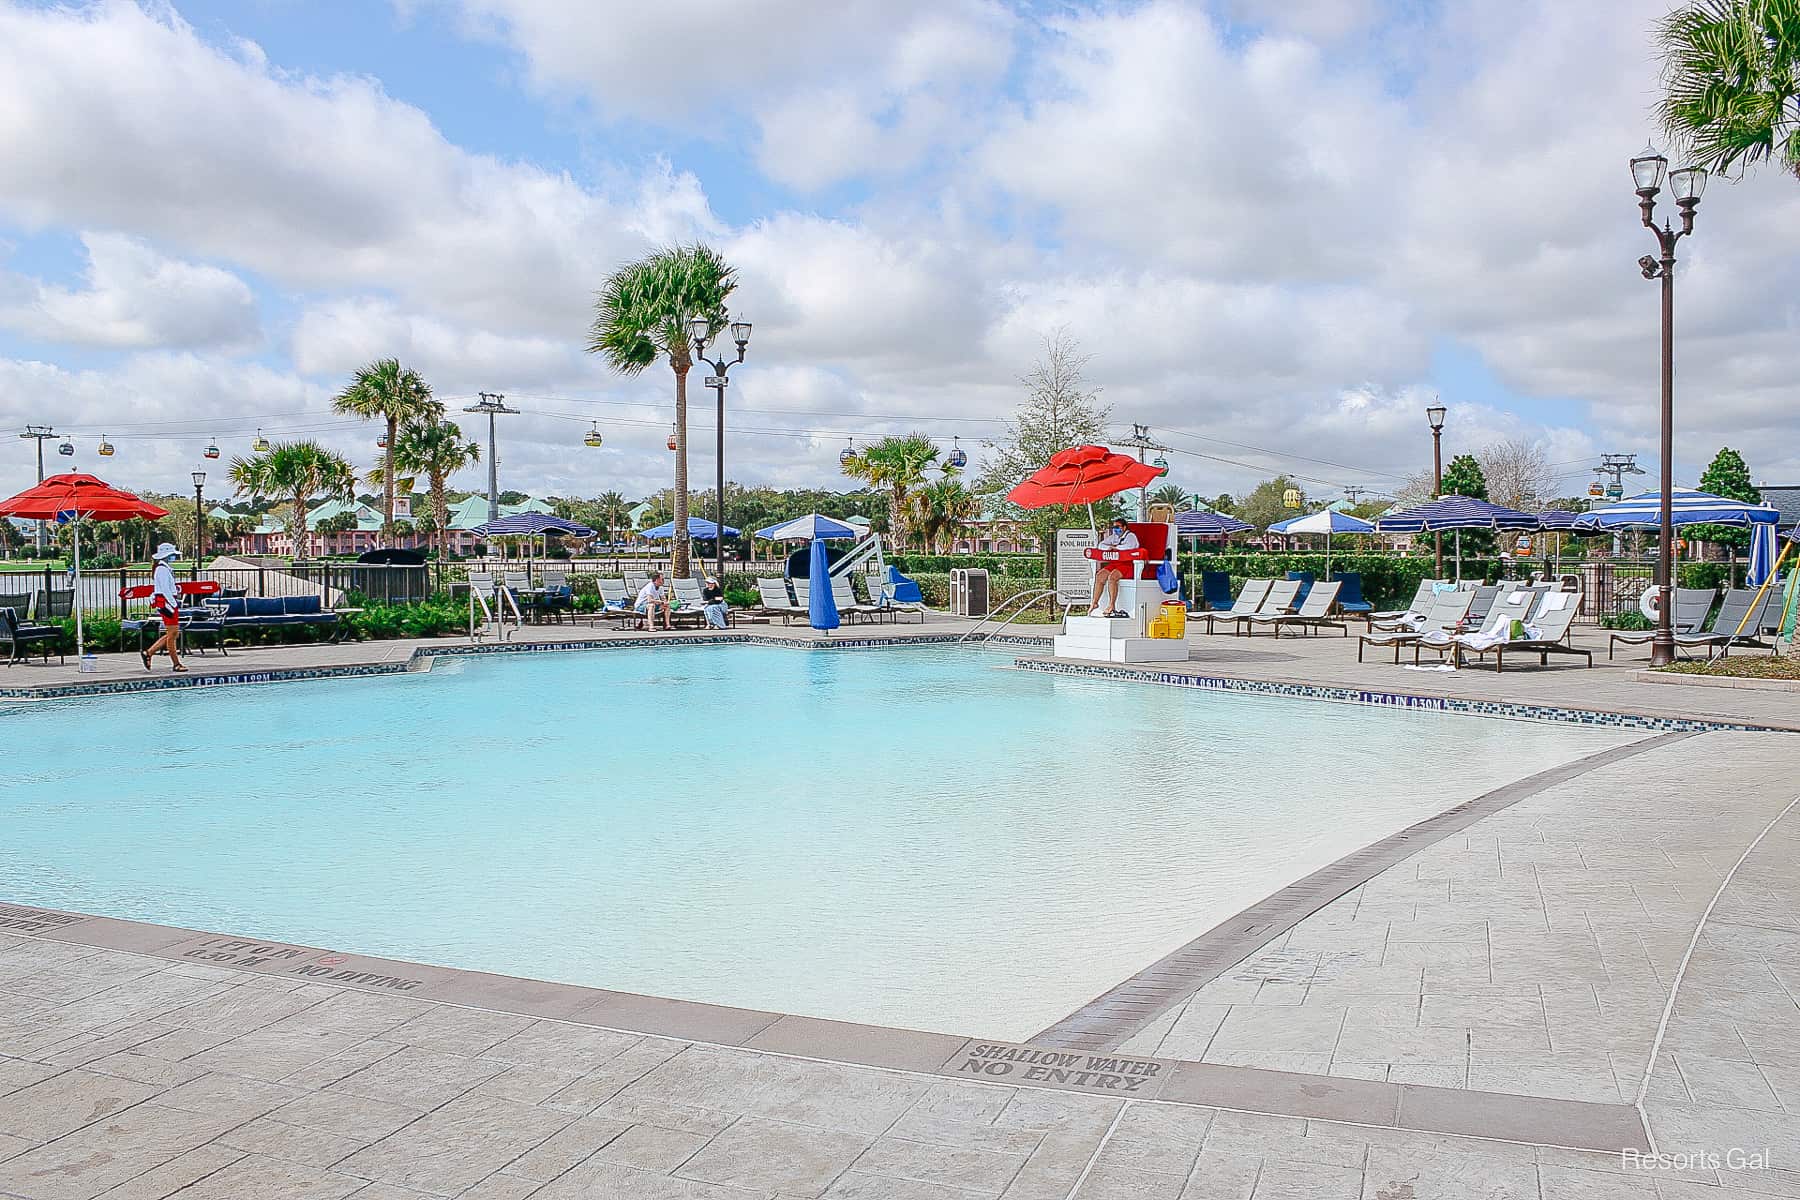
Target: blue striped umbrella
[
  {"x": 1690, "y": 507},
  {"x": 812, "y": 525},
  {"x": 1455, "y": 512},
  {"x": 530, "y": 524},
  {"x": 1326, "y": 521},
  {"x": 1560, "y": 520},
  {"x": 1209, "y": 524}
]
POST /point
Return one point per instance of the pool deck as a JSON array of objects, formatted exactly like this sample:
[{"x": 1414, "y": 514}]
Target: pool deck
[{"x": 1494, "y": 1003}]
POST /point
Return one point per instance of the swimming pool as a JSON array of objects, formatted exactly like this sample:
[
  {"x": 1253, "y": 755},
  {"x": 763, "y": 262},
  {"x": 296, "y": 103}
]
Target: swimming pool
[{"x": 905, "y": 837}]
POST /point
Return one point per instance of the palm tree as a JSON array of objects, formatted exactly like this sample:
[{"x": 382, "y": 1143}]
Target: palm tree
[
  {"x": 897, "y": 463},
  {"x": 296, "y": 472},
  {"x": 642, "y": 314},
  {"x": 615, "y": 510},
  {"x": 940, "y": 510},
  {"x": 1169, "y": 494},
  {"x": 384, "y": 390},
  {"x": 1731, "y": 69},
  {"x": 436, "y": 449}
]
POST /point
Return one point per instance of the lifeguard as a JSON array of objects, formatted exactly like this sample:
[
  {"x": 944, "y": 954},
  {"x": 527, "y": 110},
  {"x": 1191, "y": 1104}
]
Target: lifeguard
[{"x": 1117, "y": 554}]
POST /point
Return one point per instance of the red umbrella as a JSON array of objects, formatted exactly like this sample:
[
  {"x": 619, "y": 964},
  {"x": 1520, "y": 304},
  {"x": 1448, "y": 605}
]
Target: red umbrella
[
  {"x": 1082, "y": 475},
  {"x": 76, "y": 496},
  {"x": 92, "y": 498}
]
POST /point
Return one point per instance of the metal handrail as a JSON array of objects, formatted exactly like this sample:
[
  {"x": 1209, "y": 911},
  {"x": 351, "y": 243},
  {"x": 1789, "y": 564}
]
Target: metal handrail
[{"x": 1029, "y": 599}]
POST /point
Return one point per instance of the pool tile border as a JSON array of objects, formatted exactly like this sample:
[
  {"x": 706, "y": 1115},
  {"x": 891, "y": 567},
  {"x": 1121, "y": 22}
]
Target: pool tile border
[
  {"x": 1195, "y": 681},
  {"x": 1570, "y": 1124}
]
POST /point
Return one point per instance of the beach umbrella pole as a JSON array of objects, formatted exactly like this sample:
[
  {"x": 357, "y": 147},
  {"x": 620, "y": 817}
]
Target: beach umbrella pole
[{"x": 76, "y": 596}]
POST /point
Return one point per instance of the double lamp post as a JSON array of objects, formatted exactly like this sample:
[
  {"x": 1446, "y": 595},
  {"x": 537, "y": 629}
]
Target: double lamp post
[{"x": 699, "y": 330}]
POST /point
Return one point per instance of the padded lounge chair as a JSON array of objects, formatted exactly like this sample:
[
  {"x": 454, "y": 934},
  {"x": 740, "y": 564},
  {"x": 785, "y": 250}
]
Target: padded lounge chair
[
  {"x": 615, "y": 601},
  {"x": 1280, "y": 599},
  {"x": 1513, "y": 606},
  {"x": 1445, "y": 614},
  {"x": 1418, "y": 609},
  {"x": 1249, "y": 599},
  {"x": 881, "y": 596},
  {"x": 1741, "y": 609},
  {"x": 844, "y": 596},
  {"x": 1548, "y": 634},
  {"x": 1314, "y": 612},
  {"x": 775, "y": 600},
  {"x": 21, "y": 637},
  {"x": 1306, "y": 579},
  {"x": 1691, "y": 607}
]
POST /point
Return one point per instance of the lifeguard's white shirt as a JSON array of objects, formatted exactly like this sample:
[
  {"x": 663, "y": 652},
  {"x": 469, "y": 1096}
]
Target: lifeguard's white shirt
[
  {"x": 1119, "y": 541},
  {"x": 162, "y": 584}
]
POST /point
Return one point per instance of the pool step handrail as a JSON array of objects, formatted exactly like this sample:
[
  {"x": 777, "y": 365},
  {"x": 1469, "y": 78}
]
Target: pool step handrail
[
  {"x": 1027, "y": 599},
  {"x": 481, "y": 587}
]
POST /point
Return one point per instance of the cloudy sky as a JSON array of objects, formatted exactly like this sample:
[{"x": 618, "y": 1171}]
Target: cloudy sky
[{"x": 1279, "y": 227}]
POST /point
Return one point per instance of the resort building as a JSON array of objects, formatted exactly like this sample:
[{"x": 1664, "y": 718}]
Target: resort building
[{"x": 328, "y": 533}]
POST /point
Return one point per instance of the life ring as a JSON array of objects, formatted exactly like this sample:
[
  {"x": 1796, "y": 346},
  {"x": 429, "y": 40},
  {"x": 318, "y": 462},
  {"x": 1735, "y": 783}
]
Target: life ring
[{"x": 1649, "y": 602}]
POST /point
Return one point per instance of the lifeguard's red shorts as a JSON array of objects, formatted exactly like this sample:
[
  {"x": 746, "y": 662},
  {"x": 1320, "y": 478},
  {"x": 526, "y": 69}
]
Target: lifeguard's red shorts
[{"x": 170, "y": 618}]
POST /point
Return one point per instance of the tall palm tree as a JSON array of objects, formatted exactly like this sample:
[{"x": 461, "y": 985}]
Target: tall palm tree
[
  {"x": 897, "y": 463},
  {"x": 1731, "y": 69},
  {"x": 615, "y": 510},
  {"x": 642, "y": 315},
  {"x": 436, "y": 449},
  {"x": 1169, "y": 494},
  {"x": 386, "y": 391},
  {"x": 296, "y": 472}
]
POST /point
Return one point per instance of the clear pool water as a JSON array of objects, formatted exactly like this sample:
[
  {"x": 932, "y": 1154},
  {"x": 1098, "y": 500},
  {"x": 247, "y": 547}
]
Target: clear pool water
[{"x": 901, "y": 837}]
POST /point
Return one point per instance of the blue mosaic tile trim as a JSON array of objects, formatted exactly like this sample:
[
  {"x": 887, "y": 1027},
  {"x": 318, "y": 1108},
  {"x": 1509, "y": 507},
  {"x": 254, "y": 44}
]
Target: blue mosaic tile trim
[
  {"x": 1450, "y": 704},
  {"x": 159, "y": 683}
]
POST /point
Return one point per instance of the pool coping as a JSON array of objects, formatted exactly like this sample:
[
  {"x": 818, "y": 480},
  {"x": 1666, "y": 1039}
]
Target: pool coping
[
  {"x": 1532, "y": 1120},
  {"x": 1375, "y": 698},
  {"x": 1111, "y": 1018}
]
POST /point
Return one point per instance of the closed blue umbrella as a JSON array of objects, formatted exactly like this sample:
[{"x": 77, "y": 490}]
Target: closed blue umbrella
[
  {"x": 1762, "y": 555},
  {"x": 821, "y": 606}
]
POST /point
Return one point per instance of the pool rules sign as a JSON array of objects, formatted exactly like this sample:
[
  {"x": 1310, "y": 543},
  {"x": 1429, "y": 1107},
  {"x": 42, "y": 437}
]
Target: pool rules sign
[{"x": 1074, "y": 569}]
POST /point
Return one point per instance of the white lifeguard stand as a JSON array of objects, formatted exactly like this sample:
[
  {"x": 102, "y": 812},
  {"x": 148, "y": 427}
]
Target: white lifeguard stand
[{"x": 1127, "y": 639}]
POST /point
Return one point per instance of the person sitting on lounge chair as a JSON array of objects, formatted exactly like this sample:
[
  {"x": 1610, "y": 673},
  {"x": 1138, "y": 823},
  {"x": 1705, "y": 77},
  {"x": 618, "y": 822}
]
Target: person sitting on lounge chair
[
  {"x": 653, "y": 598},
  {"x": 712, "y": 597},
  {"x": 1110, "y": 575}
]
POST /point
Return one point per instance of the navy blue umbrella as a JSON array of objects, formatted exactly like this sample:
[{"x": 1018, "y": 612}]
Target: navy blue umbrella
[
  {"x": 1208, "y": 524},
  {"x": 530, "y": 524},
  {"x": 1455, "y": 512},
  {"x": 821, "y": 606}
]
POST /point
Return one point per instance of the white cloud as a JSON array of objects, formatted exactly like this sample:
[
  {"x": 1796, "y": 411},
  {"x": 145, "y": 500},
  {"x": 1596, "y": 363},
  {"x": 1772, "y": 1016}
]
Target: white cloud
[
  {"x": 333, "y": 339},
  {"x": 134, "y": 297}
]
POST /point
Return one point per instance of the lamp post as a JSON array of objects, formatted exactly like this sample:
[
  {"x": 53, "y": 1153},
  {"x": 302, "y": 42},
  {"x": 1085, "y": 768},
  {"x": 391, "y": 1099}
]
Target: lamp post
[
  {"x": 1686, "y": 185},
  {"x": 199, "y": 521},
  {"x": 699, "y": 329},
  {"x": 1435, "y": 417}
]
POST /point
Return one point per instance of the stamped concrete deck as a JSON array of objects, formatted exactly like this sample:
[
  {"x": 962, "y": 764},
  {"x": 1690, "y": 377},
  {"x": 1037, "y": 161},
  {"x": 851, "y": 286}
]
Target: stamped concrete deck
[{"x": 138, "y": 1061}]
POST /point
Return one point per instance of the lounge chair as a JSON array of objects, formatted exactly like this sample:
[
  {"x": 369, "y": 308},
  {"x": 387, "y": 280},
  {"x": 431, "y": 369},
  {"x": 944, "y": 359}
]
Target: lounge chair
[
  {"x": 1417, "y": 610},
  {"x": 844, "y": 596},
  {"x": 1314, "y": 613},
  {"x": 1691, "y": 607},
  {"x": 1547, "y": 633},
  {"x": 1445, "y": 614},
  {"x": 1513, "y": 606},
  {"x": 1350, "y": 600},
  {"x": 1215, "y": 591},
  {"x": 1249, "y": 599},
  {"x": 775, "y": 600},
  {"x": 615, "y": 600},
  {"x": 1305, "y": 579},
  {"x": 20, "y": 637},
  {"x": 1485, "y": 595},
  {"x": 690, "y": 602},
  {"x": 1742, "y": 609},
  {"x": 1280, "y": 599},
  {"x": 881, "y": 596}
]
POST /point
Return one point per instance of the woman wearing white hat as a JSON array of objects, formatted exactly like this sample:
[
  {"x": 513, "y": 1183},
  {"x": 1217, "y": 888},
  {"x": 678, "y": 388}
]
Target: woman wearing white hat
[{"x": 167, "y": 602}]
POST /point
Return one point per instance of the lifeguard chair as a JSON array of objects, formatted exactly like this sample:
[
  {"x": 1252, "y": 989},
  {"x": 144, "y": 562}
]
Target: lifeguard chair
[{"x": 1126, "y": 639}]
